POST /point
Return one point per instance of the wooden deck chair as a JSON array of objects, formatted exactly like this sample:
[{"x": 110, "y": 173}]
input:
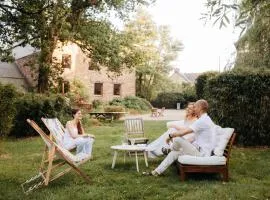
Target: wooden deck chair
[
  {"x": 56, "y": 129},
  {"x": 56, "y": 162},
  {"x": 134, "y": 130}
]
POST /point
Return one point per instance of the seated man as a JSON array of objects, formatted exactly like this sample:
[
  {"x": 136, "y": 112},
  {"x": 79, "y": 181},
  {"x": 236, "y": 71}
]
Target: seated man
[{"x": 203, "y": 144}]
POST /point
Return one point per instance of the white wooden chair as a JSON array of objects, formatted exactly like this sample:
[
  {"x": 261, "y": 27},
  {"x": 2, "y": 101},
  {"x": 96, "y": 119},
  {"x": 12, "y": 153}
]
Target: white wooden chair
[
  {"x": 134, "y": 131},
  {"x": 56, "y": 162}
]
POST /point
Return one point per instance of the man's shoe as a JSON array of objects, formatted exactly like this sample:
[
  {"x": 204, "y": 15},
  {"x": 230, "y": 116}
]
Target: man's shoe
[
  {"x": 165, "y": 151},
  {"x": 152, "y": 173}
]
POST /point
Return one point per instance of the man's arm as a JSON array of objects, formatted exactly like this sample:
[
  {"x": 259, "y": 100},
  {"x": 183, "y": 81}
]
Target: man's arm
[{"x": 179, "y": 133}]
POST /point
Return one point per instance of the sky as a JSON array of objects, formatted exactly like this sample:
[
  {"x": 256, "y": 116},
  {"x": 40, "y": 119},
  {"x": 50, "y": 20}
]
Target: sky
[{"x": 205, "y": 47}]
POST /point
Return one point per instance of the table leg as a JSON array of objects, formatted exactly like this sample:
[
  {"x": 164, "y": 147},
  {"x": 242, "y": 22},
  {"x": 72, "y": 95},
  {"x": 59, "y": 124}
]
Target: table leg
[
  {"x": 137, "y": 164},
  {"x": 125, "y": 157},
  {"x": 145, "y": 158},
  {"x": 114, "y": 159}
]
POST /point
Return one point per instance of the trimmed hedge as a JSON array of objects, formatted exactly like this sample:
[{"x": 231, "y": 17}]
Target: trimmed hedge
[
  {"x": 35, "y": 106},
  {"x": 201, "y": 83},
  {"x": 8, "y": 95},
  {"x": 242, "y": 101},
  {"x": 170, "y": 99}
]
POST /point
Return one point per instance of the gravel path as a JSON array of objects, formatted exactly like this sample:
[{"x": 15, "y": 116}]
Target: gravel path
[{"x": 169, "y": 114}]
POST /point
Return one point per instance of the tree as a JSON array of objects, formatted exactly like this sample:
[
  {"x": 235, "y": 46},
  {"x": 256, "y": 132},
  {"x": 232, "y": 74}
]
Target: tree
[
  {"x": 42, "y": 23},
  {"x": 151, "y": 50},
  {"x": 252, "y": 16}
]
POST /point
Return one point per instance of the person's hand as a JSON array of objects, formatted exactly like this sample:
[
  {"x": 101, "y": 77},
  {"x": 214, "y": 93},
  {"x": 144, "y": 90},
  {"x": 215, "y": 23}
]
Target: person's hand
[
  {"x": 168, "y": 140},
  {"x": 92, "y": 136}
]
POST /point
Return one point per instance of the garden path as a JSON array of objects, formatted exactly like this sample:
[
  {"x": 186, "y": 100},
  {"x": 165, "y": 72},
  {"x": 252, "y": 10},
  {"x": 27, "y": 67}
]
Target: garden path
[{"x": 169, "y": 114}]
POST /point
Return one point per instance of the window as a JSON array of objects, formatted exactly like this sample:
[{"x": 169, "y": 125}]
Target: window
[
  {"x": 116, "y": 89},
  {"x": 98, "y": 88},
  {"x": 66, "y": 61}
]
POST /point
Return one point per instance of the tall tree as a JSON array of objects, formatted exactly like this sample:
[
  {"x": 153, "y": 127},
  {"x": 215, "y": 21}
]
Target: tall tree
[
  {"x": 42, "y": 23},
  {"x": 252, "y": 16},
  {"x": 152, "y": 50}
]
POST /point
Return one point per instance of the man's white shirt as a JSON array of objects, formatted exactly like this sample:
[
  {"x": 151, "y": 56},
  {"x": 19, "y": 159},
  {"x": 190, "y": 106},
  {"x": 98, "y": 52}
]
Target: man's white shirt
[{"x": 203, "y": 129}]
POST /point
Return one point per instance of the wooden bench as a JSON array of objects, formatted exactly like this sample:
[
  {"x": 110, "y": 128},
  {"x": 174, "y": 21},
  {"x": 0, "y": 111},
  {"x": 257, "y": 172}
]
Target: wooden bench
[
  {"x": 222, "y": 169},
  {"x": 106, "y": 115}
]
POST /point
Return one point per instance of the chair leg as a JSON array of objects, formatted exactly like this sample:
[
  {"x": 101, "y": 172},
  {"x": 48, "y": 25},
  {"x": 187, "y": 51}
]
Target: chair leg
[
  {"x": 182, "y": 174},
  {"x": 48, "y": 173},
  {"x": 225, "y": 175}
]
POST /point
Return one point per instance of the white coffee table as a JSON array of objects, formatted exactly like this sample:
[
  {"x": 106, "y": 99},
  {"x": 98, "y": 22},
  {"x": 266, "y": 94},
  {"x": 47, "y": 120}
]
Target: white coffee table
[{"x": 133, "y": 148}]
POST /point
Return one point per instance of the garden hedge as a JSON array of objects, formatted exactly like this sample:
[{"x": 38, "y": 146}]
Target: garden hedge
[
  {"x": 8, "y": 96},
  {"x": 241, "y": 101},
  {"x": 35, "y": 106}
]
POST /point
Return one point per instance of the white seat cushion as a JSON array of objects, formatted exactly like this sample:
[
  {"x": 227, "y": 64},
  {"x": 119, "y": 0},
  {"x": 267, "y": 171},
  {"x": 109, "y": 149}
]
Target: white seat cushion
[
  {"x": 196, "y": 160},
  {"x": 222, "y": 137}
]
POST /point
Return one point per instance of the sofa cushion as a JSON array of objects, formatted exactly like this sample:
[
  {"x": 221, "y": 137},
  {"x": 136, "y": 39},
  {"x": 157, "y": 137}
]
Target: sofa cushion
[
  {"x": 196, "y": 160},
  {"x": 222, "y": 137}
]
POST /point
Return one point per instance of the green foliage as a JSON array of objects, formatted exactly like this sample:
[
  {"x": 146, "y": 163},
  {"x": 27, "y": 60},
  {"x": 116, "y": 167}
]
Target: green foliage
[
  {"x": 151, "y": 50},
  {"x": 169, "y": 100},
  {"x": 201, "y": 83},
  {"x": 132, "y": 102},
  {"x": 254, "y": 47},
  {"x": 8, "y": 95},
  {"x": 35, "y": 106},
  {"x": 42, "y": 24},
  {"x": 241, "y": 101},
  {"x": 97, "y": 104},
  {"x": 115, "y": 109},
  {"x": 77, "y": 93}
]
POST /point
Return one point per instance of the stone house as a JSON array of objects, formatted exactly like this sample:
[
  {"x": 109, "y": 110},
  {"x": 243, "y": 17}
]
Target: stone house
[
  {"x": 100, "y": 85},
  {"x": 184, "y": 78}
]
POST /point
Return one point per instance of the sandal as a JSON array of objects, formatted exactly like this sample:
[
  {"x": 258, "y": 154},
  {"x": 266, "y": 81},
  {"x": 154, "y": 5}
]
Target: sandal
[{"x": 165, "y": 151}]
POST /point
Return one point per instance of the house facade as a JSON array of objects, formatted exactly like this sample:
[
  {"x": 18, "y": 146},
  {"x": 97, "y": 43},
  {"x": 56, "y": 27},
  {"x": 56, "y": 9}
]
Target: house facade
[{"x": 100, "y": 85}]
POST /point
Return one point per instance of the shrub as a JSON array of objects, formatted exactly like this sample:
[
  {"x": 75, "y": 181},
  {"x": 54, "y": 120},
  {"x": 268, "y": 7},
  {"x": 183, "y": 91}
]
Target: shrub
[
  {"x": 35, "y": 106},
  {"x": 97, "y": 104},
  {"x": 242, "y": 101},
  {"x": 168, "y": 100},
  {"x": 8, "y": 95},
  {"x": 115, "y": 109},
  {"x": 132, "y": 102},
  {"x": 201, "y": 83}
]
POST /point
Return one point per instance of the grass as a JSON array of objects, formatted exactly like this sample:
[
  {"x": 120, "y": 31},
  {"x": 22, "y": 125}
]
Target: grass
[{"x": 19, "y": 160}]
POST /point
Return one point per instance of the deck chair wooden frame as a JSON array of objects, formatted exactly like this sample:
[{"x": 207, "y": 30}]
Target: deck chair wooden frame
[
  {"x": 134, "y": 130},
  {"x": 57, "y": 130},
  {"x": 56, "y": 161},
  {"x": 222, "y": 169}
]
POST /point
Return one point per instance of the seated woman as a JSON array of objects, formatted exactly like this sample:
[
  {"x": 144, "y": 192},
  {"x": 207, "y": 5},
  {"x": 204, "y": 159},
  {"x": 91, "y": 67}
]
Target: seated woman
[
  {"x": 75, "y": 135},
  {"x": 155, "y": 148}
]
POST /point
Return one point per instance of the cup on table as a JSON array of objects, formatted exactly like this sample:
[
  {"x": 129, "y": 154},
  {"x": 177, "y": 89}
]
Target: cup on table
[{"x": 132, "y": 141}]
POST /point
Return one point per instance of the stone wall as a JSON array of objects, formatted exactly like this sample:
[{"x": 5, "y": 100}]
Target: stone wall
[{"x": 79, "y": 70}]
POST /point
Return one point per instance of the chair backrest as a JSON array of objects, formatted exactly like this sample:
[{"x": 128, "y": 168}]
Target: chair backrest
[
  {"x": 134, "y": 127},
  {"x": 43, "y": 135},
  {"x": 55, "y": 127},
  {"x": 63, "y": 152}
]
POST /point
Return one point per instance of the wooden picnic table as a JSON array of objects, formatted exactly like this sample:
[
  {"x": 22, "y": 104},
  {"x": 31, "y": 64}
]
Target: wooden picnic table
[{"x": 106, "y": 115}]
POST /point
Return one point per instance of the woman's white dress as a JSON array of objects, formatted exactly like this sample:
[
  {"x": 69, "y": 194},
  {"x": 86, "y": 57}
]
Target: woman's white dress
[
  {"x": 154, "y": 148},
  {"x": 83, "y": 144}
]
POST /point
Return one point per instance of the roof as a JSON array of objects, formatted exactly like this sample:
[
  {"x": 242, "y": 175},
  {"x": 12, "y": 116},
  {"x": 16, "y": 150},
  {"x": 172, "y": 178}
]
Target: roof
[{"x": 184, "y": 77}]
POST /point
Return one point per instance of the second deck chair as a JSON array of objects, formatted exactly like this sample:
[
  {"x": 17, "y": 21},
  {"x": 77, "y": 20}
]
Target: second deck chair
[
  {"x": 55, "y": 163},
  {"x": 134, "y": 130}
]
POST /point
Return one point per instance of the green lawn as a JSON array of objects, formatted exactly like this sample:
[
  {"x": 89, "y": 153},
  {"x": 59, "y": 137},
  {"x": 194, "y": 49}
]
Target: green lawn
[{"x": 19, "y": 160}]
